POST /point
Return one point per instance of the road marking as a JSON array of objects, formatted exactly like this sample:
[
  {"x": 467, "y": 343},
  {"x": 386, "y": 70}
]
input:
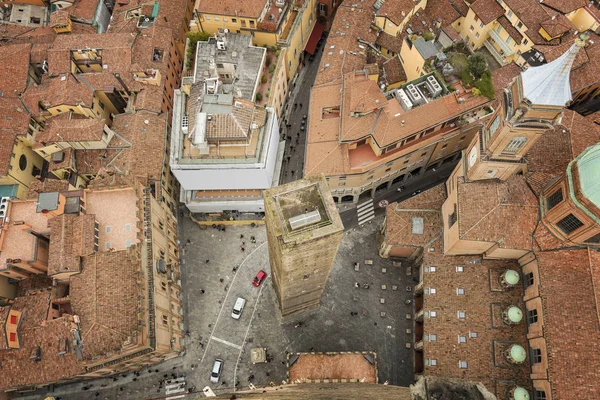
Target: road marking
[
  {"x": 363, "y": 221},
  {"x": 216, "y": 339},
  {"x": 248, "y": 329},
  {"x": 365, "y": 212},
  {"x": 226, "y": 295},
  {"x": 363, "y": 204}
]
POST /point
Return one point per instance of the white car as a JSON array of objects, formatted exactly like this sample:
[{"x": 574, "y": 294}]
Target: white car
[
  {"x": 238, "y": 307},
  {"x": 216, "y": 371}
]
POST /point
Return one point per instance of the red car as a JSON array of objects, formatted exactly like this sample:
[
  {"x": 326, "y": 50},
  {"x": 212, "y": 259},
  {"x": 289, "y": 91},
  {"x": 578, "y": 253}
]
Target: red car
[{"x": 259, "y": 278}]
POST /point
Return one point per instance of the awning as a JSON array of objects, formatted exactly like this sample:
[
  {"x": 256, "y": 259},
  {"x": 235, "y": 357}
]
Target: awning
[{"x": 311, "y": 45}]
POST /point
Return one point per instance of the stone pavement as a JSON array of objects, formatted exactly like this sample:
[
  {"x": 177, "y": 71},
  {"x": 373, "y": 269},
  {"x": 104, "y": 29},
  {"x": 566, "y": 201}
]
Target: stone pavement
[{"x": 211, "y": 288}]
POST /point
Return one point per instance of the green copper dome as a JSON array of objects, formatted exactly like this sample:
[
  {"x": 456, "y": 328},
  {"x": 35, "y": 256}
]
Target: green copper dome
[
  {"x": 515, "y": 314},
  {"x": 520, "y": 394},
  {"x": 511, "y": 276},
  {"x": 517, "y": 353},
  {"x": 588, "y": 166}
]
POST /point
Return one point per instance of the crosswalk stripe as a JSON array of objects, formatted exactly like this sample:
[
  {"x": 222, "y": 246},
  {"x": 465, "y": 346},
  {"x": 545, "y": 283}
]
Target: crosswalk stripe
[
  {"x": 365, "y": 211},
  {"x": 227, "y": 343},
  {"x": 360, "y": 222},
  {"x": 365, "y": 203},
  {"x": 363, "y": 217}
]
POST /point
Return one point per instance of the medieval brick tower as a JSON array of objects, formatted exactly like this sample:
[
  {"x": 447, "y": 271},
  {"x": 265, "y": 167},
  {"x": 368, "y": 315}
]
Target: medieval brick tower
[{"x": 304, "y": 232}]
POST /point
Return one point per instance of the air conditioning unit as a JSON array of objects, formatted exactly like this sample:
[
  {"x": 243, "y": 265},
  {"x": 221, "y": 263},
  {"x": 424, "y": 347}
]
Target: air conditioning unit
[
  {"x": 185, "y": 124},
  {"x": 403, "y": 99},
  {"x": 221, "y": 45},
  {"x": 433, "y": 85},
  {"x": 414, "y": 94}
]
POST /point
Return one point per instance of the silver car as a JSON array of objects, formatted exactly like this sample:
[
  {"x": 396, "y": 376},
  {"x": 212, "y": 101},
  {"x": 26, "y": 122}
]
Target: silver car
[{"x": 216, "y": 371}]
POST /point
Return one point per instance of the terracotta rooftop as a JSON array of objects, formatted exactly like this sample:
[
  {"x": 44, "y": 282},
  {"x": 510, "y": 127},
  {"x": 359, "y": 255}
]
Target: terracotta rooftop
[
  {"x": 59, "y": 18},
  {"x": 482, "y": 302},
  {"x": 116, "y": 51},
  {"x": 394, "y": 71},
  {"x": 557, "y": 25},
  {"x": 83, "y": 10},
  {"x": 17, "y": 367},
  {"x": 14, "y": 66},
  {"x": 17, "y": 242},
  {"x": 248, "y": 8},
  {"x": 568, "y": 318},
  {"x": 389, "y": 42},
  {"x": 62, "y": 128},
  {"x": 400, "y": 218},
  {"x": 566, "y": 141},
  {"x": 105, "y": 297},
  {"x": 532, "y": 14},
  {"x": 565, "y": 6},
  {"x": 502, "y": 76},
  {"x": 14, "y": 120},
  {"x": 487, "y": 10},
  {"x": 437, "y": 14},
  {"x": 64, "y": 89},
  {"x": 396, "y": 10},
  {"x": 487, "y": 211},
  {"x": 317, "y": 367},
  {"x": 508, "y": 26},
  {"x": 342, "y": 53},
  {"x": 71, "y": 238}
]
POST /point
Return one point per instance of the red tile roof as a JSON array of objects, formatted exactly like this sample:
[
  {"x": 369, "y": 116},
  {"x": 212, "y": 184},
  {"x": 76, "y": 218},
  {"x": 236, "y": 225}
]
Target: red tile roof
[
  {"x": 248, "y": 8},
  {"x": 569, "y": 282},
  {"x": 512, "y": 31},
  {"x": 487, "y": 211},
  {"x": 532, "y": 14},
  {"x": 394, "y": 71},
  {"x": 62, "y": 128},
  {"x": 14, "y": 120},
  {"x": 54, "y": 91},
  {"x": 487, "y": 10},
  {"x": 14, "y": 66},
  {"x": 72, "y": 238}
]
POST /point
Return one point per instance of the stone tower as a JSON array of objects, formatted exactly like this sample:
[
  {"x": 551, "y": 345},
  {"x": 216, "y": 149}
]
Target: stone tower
[
  {"x": 304, "y": 232},
  {"x": 531, "y": 104}
]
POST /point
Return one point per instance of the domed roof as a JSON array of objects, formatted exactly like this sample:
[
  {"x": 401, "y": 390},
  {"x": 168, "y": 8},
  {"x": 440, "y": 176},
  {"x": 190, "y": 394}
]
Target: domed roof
[
  {"x": 520, "y": 394},
  {"x": 588, "y": 166},
  {"x": 518, "y": 353},
  {"x": 512, "y": 277},
  {"x": 515, "y": 314}
]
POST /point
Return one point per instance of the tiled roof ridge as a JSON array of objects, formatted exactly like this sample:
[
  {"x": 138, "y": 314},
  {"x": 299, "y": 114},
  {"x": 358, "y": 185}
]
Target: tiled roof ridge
[{"x": 324, "y": 158}]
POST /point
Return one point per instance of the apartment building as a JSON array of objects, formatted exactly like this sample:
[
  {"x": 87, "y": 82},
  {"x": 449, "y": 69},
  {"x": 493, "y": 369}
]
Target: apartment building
[
  {"x": 27, "y": 13},
  {"x": 504, "y": 242},
  {"x": 224, "y": 147},
  {"x": 364, "y": 140},
  {"x": 288, "y": 25},
  {"x": 95, "y": 273}
]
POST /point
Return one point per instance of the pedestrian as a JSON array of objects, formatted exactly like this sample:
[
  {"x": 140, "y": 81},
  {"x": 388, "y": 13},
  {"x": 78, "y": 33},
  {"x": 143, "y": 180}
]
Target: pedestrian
[
  {"x": 300, "y": 105},
  {"x": 201, "y": 345},
  {"x": 187, "y": 333},
  {"x": 243, "y": 249},
  {"x": 207, "y": 261},
  {"x": 223, "y": 383},
  {"x": 295, "y": 105},
  {"x": 293, "y": 172},
  {"x": 97, "y": 394},
  {"x": 312, "y": 349},
  {"x": 288, "y": 137}
]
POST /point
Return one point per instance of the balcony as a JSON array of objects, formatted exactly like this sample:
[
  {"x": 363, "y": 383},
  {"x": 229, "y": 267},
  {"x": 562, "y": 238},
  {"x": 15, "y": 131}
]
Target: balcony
[
  {"x": 501, "y": 43},
  {"x": 499, "y": 57}
]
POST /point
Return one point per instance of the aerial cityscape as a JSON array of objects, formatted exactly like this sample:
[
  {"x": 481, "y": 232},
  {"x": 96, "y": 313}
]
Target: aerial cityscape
[{"x": 300, "y": 199}]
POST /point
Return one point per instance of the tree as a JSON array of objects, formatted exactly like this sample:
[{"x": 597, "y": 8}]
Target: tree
[{"x": 477, "y": 65}]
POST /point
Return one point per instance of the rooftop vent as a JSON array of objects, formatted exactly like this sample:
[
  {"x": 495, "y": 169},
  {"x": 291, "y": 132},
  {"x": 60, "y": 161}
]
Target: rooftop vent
[
  {"x": 303, "y": 220},
  {"x": 185, "y": 123},
  {"x": 63, "y": 346},
  {"x": 512, "y": 315},
  {"x": 417, "y": 225},
  {"x": 36, "y": 354},
  {"x": 509, "y": 278},
  {"x": 515, "y": 354}
]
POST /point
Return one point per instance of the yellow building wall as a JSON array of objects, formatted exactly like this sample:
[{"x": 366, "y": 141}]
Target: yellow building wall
[
  {"x": 211, "y": 23},
  {"x": 279, "y": 86},
  {"x": 299, "y": 37},
  {"x": 411, "y": 61},
  {"x": 24, "y": 177},
  {"x": 264, "y": 38},
  {"x": 583, "y": 20}
]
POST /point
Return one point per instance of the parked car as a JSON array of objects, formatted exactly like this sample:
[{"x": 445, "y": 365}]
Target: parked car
[
  {"x": 216, "y": 371},
  {"x": 259, "y": 278},
  {"x": 238, "y": 307}
]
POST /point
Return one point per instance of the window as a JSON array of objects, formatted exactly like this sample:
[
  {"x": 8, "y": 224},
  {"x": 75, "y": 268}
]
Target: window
[
  {"x": 554, "y": 199},
  {"x": 471, "y": 28},
  {"x": 481, "y": 24},
  {"x": 430, "y": 269},
  {"x": 539, "y": 395},
  {"x": 107, "y": 245},
  {"x": 23, "y": 162},
  {"x": 13, "y": 337},
  {"x": 529, "y": 279},
  {"x": 36, "y": 171},
  {"x": 532, "y": 316},
  {"x": 224, "y": 19},
  {"x": 594, "y": 239},
  {"x": 216, "y": 19},
  {"x": 510, "y": 14},
  {"x": 108, "y": 229},
  {"x": 13, "y": 319},
  {"x": 508, "y": 39},
  {"x": 460, "y": 291},
  {"x": 432, "y": 314},
  {"x": 234, "y": 20},
  {"x": 525, "y": 41},
  {"x": 462, "y": 339},
  {"x": 432, "y": 337},
  {"x": 243, "y": 21},
  {"x": 477, "y": 35},
  {"x": 34, "y": 20},
  {"x": 460, "y": 269},
  {"x": 462, "y": 364},
  {"x": 461, "y": 315},
  {"x": 519, "y": 25},
  {"x": 432, "y": 362},
  {"x": 515, "y": 145},
  {"x": 569, "y": 224},
  {"x": 499, "y": 28},
  {"x": 251, "y": 24},
  {"x": 536, "y": 356},
  {"x": 206, "y": 18}
]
